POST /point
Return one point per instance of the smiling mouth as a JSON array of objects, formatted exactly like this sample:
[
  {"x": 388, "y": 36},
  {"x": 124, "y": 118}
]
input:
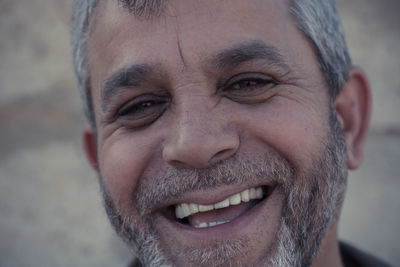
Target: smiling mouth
[{"x": 205, "y": 216}]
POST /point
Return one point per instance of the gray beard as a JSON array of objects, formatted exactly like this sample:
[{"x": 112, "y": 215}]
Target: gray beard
[{"x": 312, "y": 201}]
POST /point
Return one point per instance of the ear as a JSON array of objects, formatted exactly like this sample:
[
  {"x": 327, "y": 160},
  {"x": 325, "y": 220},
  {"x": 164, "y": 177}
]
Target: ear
[
  {"x": 353, "y": 106},
  {"x": 89, "y": 139}
]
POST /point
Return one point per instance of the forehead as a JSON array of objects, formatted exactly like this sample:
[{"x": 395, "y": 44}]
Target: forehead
[
  {"x": 188, "y": 21},
  {"x": 184, "y": 12},
  {"x": 187, "y": 32}
]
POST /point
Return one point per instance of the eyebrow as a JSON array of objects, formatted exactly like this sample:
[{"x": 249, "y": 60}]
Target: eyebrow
[
  {"x": 136, "y": 74},
  {"x": 248, "y": 51},
  {"x": 125, "y": 77}
]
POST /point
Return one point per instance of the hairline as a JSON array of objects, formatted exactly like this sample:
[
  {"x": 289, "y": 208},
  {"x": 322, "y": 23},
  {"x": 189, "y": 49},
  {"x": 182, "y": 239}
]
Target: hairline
[{"x": 157, "y": 8}]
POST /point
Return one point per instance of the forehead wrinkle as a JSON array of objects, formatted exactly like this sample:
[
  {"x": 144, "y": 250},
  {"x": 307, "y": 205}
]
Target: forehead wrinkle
[
  {"x": 179, "y": 43},
  {"x": 181, "y": 53},
  {"x": 250, "y": 50}
]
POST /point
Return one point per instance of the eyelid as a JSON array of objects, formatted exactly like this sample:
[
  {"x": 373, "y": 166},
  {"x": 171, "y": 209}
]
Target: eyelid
[
  {"x": 156, "y": 97},
  {"x": 247, "y": 76},
  {"x": 125, "y": 108},
  {"x": 140, "y": 119},
  {"x": 254, "y": 93}
]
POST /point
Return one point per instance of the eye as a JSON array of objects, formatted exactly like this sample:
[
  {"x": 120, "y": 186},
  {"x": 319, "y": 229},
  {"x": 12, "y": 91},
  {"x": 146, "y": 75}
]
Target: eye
[
  {"x": 142, "y": 110},
  {"x": 248, "y": 87},
  {"x": 248, "y": 84}
]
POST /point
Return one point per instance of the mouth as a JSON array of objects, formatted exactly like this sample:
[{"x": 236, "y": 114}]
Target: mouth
[{"x": 212, "y": 215}]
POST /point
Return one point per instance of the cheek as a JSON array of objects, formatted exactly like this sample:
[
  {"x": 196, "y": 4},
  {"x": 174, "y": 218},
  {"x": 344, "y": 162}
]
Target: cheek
[
  {"x": 291, "y": 128},
  {"x": 122, "y": 162}
]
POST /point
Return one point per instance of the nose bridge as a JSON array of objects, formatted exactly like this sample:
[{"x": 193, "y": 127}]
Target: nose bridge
[
  {"x": 199, "y": 126},
  {"x": 196, "y": 117},
  {"x": 200, "y": 134}
]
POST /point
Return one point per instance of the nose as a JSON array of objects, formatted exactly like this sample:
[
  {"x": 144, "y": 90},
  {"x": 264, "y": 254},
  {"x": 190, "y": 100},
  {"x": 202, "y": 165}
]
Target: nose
[{"x": 199, "y": 138}]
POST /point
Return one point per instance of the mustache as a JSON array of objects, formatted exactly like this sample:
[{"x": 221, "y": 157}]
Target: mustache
[{"x": 171, "y": 182}]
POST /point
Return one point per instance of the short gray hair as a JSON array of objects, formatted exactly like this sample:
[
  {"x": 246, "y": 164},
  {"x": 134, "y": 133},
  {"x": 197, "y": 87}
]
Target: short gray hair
[{"x": 317, "y": 19}]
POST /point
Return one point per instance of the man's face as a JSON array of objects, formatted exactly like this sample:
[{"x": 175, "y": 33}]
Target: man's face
[{"x": 199, "y": 108}]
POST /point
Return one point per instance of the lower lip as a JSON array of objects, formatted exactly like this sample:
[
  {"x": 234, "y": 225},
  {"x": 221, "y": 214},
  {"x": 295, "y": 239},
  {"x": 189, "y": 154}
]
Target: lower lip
[{"x": 224, "y": 231}]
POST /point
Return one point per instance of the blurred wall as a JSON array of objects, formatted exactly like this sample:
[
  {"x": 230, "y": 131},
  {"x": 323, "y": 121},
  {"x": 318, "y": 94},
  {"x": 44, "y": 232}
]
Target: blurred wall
[{"x": 50, "y": 209}]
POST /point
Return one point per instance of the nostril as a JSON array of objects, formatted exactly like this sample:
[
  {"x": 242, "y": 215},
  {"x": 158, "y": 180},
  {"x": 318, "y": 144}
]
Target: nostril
[
  {"x": 177, "y": 163},
  {"x": 221, "y": 155}
]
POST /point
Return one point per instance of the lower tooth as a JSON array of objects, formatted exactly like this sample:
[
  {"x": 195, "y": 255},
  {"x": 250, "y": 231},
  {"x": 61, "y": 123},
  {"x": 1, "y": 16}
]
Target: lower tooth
[
  {"x": 201, "y": 225},
  {"x": 205, "y": 225}
]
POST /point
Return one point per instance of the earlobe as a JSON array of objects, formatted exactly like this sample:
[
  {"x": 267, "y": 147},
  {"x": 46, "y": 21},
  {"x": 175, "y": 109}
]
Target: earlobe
[
  {"x": 89, "y": 140},
  {"x": 353, "y": 106}
]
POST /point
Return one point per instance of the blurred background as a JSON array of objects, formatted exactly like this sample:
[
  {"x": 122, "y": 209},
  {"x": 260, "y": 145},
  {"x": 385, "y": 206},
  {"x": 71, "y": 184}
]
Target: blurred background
[{"x": 50, "y": 207}]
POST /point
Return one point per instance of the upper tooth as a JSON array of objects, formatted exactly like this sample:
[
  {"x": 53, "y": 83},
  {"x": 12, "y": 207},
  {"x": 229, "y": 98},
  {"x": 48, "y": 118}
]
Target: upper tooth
[
  {"x": 206, "y": 207},
  {"x": 185, "y": 209},
  {"x": 222, "y": 204},
  {"x": 235, "y": 199},
  {"x": 252, "y": 193},
  {"x": 178, "y": 212},
  {"x": 194, "y": 208},
  {"x": 245, "y": 195},
  {"x": 259, "y": 193}
]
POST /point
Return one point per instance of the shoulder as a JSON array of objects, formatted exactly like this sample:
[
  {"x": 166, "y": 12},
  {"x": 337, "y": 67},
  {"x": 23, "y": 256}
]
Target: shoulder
[{"x": 353, "y": 257}]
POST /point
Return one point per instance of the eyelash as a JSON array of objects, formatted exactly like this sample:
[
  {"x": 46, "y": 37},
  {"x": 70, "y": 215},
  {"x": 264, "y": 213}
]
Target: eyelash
[
  {"x": 251, "y": 83},
  {"x": 137, "y": 107},
  {"x": 245, "y": 86}
]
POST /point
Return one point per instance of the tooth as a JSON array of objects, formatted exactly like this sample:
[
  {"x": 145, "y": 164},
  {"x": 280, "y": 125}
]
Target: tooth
[
  {"x": 178, "y": 212},
  {"x": 235, "y": 199},
  {"x": 203, "y": 208},
  {"x": 185, "y": 210},
  {"x": 222, "y": 222},
  {"x": 252, "y": 193},
  {"x": 222, "y": 204},
  {"x": 259, "y": 193},
  {"x": 245, "y": 195},
  {"x": 201, "y": 225},
  {"x": 194, "y": 208},
  {"x": 212, "y": 224}
]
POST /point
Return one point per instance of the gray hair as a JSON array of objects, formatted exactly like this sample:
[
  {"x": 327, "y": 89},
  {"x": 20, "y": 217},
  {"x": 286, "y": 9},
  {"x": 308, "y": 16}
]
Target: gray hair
[{"x": 317, "y": 19}]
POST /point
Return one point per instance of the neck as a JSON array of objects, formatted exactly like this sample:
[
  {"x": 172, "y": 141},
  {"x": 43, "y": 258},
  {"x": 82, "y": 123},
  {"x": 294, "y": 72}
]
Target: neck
[{"x": 329, "y": 254}]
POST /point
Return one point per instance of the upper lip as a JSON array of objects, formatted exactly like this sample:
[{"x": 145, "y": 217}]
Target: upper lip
[{"x": 210, "y": 196}]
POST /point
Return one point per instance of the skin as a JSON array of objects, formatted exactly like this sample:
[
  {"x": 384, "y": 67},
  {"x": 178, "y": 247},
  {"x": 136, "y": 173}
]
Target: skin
[{"x": 196, "y": 125}]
